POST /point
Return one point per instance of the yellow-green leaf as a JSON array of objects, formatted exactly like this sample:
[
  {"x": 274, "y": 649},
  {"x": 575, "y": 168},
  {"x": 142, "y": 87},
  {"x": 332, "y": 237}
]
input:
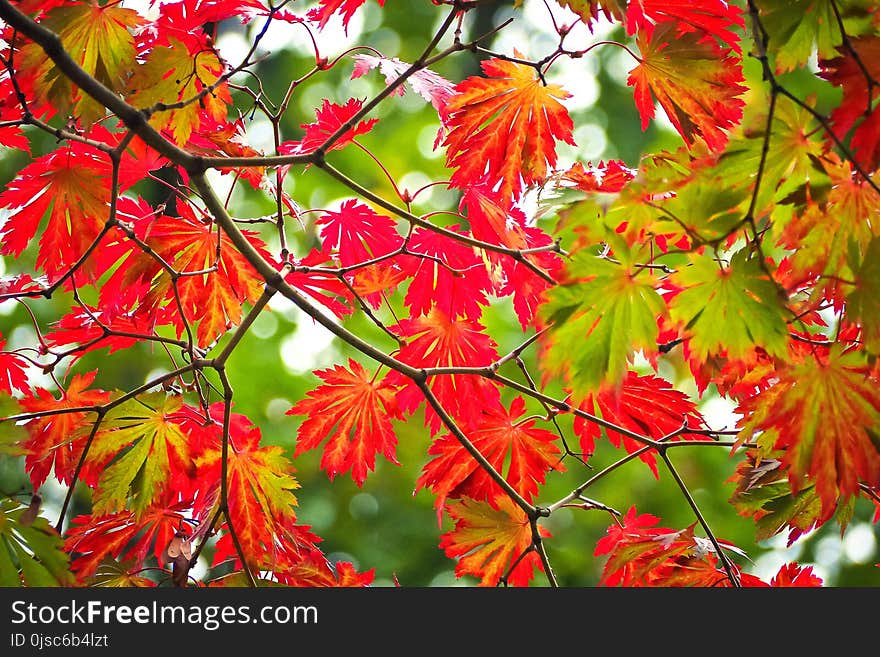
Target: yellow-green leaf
[
  {"x": 177, "y": 73},
  {"x": 600, "y": 317},
  {"x": 146, "y": 446},
  {"x": 729, "y": 309},
  {"x": 99, "y": 39}
]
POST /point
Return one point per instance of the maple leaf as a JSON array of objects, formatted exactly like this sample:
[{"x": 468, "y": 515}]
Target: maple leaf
[
  {"x": 93, "y": 328},
  {"x": 451, "y": 275},
  {"x": 31, "y": 551},
  {"x": 491, "y": 221},
  {"x": 641, "y": 554},
  {"x": 326, "y": 289},
  {"x": 260, "y": 484},
  {"x": 214, "y": 291},
  {"x": 852, "y": 75},
  {"x": 606, "y": 177},
  {"x": 729, "y": 309},
  {"x": 54, "y": 442},
  {"x": 794, "y": 575},
  {"x": 101, "y": 40},
  {"x": 376, "y": 282},
  {"x": 504, "y": 127},
  {"x": 185, "y": 16},
  {"x": 315, "y": 570},
  {"x": 227, "y": 138},
  {"x": 794, "y": 142},
  {"x": 437, "y": 340},
  {"x": 327, "y": 8},
  {"x": 505, "y": 439},
  {"x": 13, "y": 371},
  {"x": 831, "y": 238},
  {"x": 434, "y": 88},
  {"x": 357, "y": 233},
  {"x": 488, "y": 538},
  {"x": 590, "y": 10},
  {"x": 863, "y": 303},
  {"x": 92, "y": 540},
  {"x": 330, "y": 117},
  {"x": 695, "y": 81},
  {"x": 599, "y": 316},
  {"x": 141, "y": 451},
  {"x": 804, "y": 27},
  {"x": 71, "y": 187},
  {"x": 763, "y": 493},
  {"x": 646, "y": 405},
  {"x": 11, "y": 112},
  {"x": 716, "y": 18},
  {"x": 824, "y": 413},
  {"x": 353, "y": 412},
  {"x": 177, "y": 72}
]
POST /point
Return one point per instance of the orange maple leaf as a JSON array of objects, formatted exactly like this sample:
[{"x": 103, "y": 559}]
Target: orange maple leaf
[
  {"x": 51, "y": 443},
  {"x": 211, "y": 289},
  {"x": 260, "y": 485},
  {"x": 505, "y": 127},
  {"x": 824, "y": 413},
  {"x": 504, "y": 438},
  {"x": 352, "y": 410},
  {"x": 696, "y": 82},
  {"x": 489, "y": 539}
]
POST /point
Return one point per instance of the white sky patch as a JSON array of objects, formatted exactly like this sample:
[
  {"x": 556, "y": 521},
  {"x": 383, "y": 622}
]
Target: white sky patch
[
  {"x": 719, "y": 413},
  {"x": 310, "y": 346},
  {"x": 860, "y": 543}
]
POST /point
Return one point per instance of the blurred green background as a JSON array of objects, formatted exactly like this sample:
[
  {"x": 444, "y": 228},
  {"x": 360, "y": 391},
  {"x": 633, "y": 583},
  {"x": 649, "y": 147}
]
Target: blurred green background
[{"x": 383, "y": 524}]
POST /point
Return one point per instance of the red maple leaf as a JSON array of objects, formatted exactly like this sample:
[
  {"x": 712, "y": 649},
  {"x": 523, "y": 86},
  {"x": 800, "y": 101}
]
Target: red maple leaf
[
  {"x": 702, "y": 17},
  {"x": 452, "y": 276},
  {"x": 491, "y": 221},
  {"x": 330, "y": 117},
  {"x": 646, "y": 405},
  {"x": 123, "y": 535},
  {"x": 491, "y": 541},
  {"x": 327, "y": 8},
  {"x": 856, "y": 107},
  {"x": 211, "y": 294},
  {"x": 71, "y": 187},
  {"x": 92, "y": 328},
  {"x": 504, "y": 127},
  {"x": 313, "y": 569},
  {"x": 641, "y": 554},
  {"x": 13, "y": 371},
  {"x": 323, "y": 287},
  {"x": 52, "y": 442},
  {"x": 353, "y": 412},
  {"x": 822, "y": 412},
  {"x": 437, "y": 340},
  {"x": 519, "y": 451},
  {"x": 608, "y": 177},
  {"x": 260, "y": 486},
  {"x": 794, "y": 575},
  {"x": 357, "y": 233},
  {"x": 11, "y": 135}
]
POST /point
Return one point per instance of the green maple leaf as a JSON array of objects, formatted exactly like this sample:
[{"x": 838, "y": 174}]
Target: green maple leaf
[
  {"x": 730, "y": 309},
  {"x": 863, "y": 304},
  {"x": 797, "y": 27},
  {"x": 141, "y": 438},
  {"x": 600, "y": 318},
  {"x": 31, "y": 551}
]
